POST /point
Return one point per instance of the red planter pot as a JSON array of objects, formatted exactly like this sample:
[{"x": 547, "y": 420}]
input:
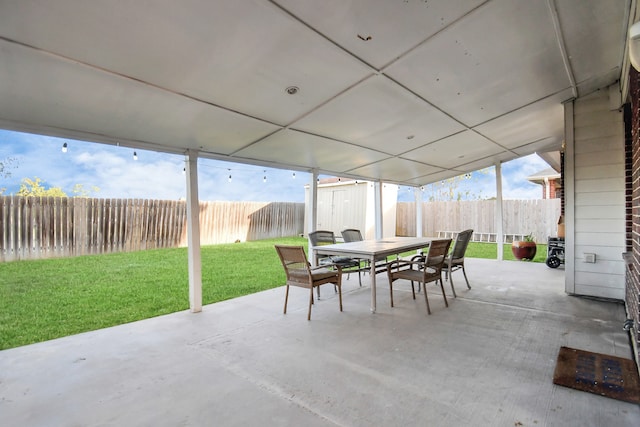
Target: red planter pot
[{"x": 523, "y": 250}]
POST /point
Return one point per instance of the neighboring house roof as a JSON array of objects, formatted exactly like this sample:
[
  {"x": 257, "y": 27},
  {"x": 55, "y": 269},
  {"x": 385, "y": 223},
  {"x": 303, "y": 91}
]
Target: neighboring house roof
[{"x": 539, "y": 177}]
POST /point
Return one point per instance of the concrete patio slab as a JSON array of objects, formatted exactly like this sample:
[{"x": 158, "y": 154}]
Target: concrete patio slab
[{"x": 487, "y": 360}]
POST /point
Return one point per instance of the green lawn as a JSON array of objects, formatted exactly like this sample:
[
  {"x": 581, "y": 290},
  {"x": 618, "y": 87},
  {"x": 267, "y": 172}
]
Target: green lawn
[
  {"x": 490, "y": 251},
  {"x": 46, "y": 299}
]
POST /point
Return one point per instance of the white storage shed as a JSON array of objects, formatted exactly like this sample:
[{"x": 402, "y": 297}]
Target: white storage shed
[{"x": 345, "y": 203}]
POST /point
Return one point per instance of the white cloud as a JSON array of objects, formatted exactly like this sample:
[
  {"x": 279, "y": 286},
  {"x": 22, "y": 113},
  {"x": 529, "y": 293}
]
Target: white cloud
[
  {"x": 517, "y": 186},
  {"x": 153, "y": 176}
]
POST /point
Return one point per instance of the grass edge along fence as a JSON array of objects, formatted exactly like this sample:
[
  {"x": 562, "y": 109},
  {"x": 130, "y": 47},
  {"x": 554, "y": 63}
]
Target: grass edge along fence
[
  {"x": 47, "y": 227},
  {"x": 68, "y": 296}
]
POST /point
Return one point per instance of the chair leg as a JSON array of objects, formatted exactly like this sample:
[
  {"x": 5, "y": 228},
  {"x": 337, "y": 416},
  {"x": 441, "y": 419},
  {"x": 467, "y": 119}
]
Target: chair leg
[
  {"x": 310, "y": 302},
  {"x": 443, "y": 294},
  {"x": 391, "y": 291},
  {"x": 465, "y": 277},
  {"x": 340, "y": 294},
  {"x": 426, "y": 299},
  {"x": 413, "y": 291},
  {"x": 286, "y": 297},
  {"x": 452, "y": 288}
]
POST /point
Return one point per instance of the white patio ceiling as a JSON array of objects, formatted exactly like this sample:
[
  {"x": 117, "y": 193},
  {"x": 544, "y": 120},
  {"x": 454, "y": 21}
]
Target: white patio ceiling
[{"x": 404, "y": 91}]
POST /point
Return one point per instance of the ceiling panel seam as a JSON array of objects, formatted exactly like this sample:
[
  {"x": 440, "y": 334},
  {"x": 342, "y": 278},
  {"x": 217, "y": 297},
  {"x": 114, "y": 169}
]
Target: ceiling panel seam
[
  {"x": 374, "y": 69},
  {"x": 422, "y": 42},
  {"x": 323, "y": 137},
  {"x": 322, "y": 35},
  {"x": 561, "y": 45},
  {"x": 291, "y": 125},
  {"x": 522, "y": 107}
]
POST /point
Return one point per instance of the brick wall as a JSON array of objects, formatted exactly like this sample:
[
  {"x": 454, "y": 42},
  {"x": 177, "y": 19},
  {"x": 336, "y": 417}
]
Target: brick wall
[
  {"x": 632, "y": 165},
  {"x": 555, "y": 189}
]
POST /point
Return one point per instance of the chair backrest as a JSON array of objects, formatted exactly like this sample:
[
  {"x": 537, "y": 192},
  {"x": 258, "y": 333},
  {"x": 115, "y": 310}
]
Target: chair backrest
[
  {"x": 322, "y": 237},
  {"x": 460, "y": 246},
  {"x": 295, "y": 263},
  {"x": 438, "y": 250},
  {"x": 351, "y": 235}
]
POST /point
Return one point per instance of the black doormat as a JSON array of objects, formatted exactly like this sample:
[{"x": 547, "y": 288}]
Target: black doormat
[{"x": 609, "y": 376}]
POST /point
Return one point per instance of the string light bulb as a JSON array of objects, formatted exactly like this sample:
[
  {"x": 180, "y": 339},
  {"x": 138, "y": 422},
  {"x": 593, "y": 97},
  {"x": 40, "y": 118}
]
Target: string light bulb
[
  {"x": 229, "y": 175},
  {"x": 294, "y": 175},
  {"x": 264, "y": 178},
  {"x": 64, "y": 147},
  {"x": 135, "y": 156}
]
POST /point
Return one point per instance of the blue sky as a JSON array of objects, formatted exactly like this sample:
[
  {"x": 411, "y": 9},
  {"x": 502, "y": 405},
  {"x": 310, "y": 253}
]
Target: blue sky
[{"x": 160, "y": 176}]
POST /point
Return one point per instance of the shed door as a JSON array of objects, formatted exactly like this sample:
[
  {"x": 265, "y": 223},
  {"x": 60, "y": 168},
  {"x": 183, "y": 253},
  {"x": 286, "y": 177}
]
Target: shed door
[
  {"x": 340, "y": 210},
  {"x": 333, "y": 209}
]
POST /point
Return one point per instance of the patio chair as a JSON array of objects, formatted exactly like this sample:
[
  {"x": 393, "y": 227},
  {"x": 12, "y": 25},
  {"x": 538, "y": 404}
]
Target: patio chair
[
  {"x": 299, "y": 273},
  {"x": 324, "y": 237},
  {"x": 455, "y": 260},
  {"x": 351, "y": 235},
  {"x": 354, "y": 235},
  {"x": 429, "y": 270}
]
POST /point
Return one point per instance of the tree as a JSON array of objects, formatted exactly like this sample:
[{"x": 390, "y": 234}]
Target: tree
[
  {"x": 34, "y": 188},
  {"x": 5, "y": 172},
  {"x": 80, "y": 191},
  {"x": 449, "y": 189}
]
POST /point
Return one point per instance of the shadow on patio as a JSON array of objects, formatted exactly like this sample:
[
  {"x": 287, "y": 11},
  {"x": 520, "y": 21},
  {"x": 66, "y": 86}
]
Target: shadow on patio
[{"x": 487, "y": 360}]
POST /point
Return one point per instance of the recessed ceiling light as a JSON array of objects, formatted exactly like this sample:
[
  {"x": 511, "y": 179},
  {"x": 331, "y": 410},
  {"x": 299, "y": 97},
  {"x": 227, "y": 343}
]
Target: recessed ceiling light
[{"x": 292, "y": 90}]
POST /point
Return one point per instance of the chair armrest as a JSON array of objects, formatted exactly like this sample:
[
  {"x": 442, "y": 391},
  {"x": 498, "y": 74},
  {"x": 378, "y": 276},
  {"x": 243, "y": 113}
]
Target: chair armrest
[
  {"x": 403, "y": 263},
  {"x": 325, "y": 266}
]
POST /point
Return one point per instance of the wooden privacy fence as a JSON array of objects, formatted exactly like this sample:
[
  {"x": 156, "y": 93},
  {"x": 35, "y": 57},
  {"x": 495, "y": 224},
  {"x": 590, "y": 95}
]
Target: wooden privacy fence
[
  {"x": 226, "y": 222},
  {"x": 520, "y": 217},
  {"x": 44, "y": 227}
]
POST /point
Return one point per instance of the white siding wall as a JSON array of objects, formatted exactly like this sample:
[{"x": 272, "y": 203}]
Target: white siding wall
[{"x": 598, "y": 199}]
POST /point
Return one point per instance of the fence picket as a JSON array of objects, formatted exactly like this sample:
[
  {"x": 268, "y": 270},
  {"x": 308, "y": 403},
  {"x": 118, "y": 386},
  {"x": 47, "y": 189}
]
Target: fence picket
[
  {"x": 538, "y": 217},
  {"x": 32, "y": 227}
]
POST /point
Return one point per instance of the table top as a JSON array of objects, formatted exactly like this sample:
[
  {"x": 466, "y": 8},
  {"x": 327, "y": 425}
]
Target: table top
[{"x": 375, "y": 248}]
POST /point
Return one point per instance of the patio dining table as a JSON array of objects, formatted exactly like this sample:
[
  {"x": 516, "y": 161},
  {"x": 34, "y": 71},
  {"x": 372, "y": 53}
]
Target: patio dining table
[{"x": 373, "y": 250}]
